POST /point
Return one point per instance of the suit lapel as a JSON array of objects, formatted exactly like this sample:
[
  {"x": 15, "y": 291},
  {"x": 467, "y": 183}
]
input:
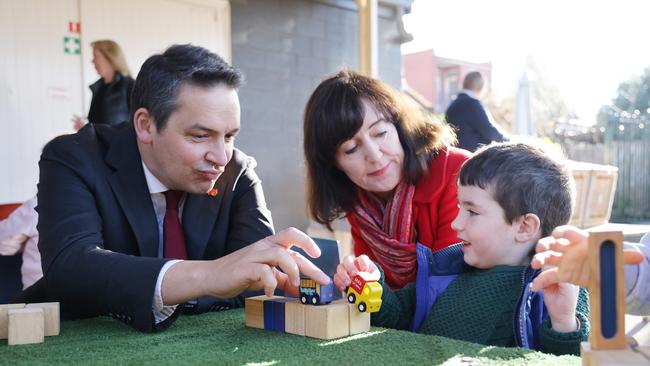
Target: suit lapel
[{"x": 130, "y": 188}]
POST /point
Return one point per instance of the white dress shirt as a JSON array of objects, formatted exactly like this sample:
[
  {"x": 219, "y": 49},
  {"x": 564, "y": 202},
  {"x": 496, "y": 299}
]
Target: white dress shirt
[{"x": 157, "y": 190}]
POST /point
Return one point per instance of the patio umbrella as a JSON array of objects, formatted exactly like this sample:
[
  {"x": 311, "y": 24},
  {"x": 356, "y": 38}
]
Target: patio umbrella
[{"x": 524, "y": 120}]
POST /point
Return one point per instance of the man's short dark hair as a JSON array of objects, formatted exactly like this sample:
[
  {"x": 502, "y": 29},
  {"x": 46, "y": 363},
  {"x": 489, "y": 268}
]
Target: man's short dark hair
[
  {"x": 161, "y": 76},
  {"x": 523, "y": 179}
]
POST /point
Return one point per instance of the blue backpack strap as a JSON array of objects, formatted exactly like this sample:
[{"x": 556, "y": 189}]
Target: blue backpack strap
[{"x": 436, "y": 270}]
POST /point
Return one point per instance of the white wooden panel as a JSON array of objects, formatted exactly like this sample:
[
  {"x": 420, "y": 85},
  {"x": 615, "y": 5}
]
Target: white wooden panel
[
  {"x": 40, "y": 88},
  {"x": 144, "y": 27}
]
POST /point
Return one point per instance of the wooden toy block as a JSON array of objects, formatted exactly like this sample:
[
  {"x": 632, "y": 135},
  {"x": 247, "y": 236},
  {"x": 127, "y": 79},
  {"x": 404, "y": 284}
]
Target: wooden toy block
[
  {"x": 254, "y": 310},
  {"x": 274, "y": 314},
  {"x": 606, "y": 291},
  {"x": 51, "y": 314},
  {"x": 294, "y": 317},
  {"x": 4, "y": 318},
  {"x": 26, "y": 326},
  {"x": 268, "y": 315},
  {"x": 327, "y": 321},
  {"x": 611, "y": 357},
  {"x": 359, "y": 322}
]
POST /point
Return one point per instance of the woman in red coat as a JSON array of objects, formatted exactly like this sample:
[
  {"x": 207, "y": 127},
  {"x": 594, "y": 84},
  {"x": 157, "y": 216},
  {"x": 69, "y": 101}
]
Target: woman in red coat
[{"x": 376, "y": 159}]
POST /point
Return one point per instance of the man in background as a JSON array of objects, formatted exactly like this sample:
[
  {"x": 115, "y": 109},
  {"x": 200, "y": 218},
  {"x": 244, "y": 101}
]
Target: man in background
[{"x": 472, "y": 121}]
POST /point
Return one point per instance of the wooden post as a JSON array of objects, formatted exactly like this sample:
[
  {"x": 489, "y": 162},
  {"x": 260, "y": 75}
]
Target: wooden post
[
  {"x": 606, "y": 290},
  {"x": 607, "y": 344},
  {"x": 368, "y": 37}
]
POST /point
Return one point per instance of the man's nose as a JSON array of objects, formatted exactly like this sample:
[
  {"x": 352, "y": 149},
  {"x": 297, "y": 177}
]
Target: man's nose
[{"x": 218, "y": 155}]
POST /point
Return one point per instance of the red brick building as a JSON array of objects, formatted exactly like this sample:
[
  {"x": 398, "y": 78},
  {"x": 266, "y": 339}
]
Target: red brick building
[{"x": 439, "y": 79}]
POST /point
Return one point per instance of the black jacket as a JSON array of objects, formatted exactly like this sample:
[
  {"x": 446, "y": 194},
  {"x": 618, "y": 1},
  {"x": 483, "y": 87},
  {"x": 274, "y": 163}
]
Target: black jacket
[
  {"x": 472, "y": 125},
  {"x": 98, "y": 229},
  {"x": 110, "y": 103}
]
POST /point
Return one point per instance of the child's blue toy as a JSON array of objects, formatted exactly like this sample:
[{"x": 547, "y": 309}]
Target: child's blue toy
[
  {"x": 315, "y": 294},
  {"x": 310, "y": 291}
]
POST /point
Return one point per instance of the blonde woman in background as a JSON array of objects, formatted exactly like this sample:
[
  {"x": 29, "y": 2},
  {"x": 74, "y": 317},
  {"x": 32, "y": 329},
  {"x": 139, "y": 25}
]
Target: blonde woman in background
[{"x": 111, "y": 93}]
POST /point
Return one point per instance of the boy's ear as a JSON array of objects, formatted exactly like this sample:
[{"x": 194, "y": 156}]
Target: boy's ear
[{"x": 528, "y": 228}]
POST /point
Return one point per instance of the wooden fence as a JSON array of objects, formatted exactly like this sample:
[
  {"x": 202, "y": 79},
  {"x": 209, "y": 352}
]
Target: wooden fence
[{"x": 630, "y": 152}]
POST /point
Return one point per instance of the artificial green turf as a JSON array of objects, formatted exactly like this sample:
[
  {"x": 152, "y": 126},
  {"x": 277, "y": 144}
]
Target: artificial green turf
[{"x": 221, "y": 338}]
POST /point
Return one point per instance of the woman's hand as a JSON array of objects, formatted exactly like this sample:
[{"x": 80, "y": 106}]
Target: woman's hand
[
  {"x": 78, "y": 122},
  {"x": 351, "y": 266},
  {"x": 562, "y": 257}
]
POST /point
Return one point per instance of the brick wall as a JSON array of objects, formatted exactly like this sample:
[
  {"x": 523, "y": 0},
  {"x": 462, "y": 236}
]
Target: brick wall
[{"x": 285, "y": 48}]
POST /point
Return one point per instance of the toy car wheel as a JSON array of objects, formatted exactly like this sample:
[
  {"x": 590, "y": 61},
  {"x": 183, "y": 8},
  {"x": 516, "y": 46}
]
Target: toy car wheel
[
  {"x": 352, "y": 298},
  {"x": 315, "y": 300},
  {"x": 362, "y": 307},
  {"x": 303, "y": 299}
]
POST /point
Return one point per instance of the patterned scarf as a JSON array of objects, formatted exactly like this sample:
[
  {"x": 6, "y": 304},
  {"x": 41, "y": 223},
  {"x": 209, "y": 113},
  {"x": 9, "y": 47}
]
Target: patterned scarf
[{"x": 389, "y": 232}]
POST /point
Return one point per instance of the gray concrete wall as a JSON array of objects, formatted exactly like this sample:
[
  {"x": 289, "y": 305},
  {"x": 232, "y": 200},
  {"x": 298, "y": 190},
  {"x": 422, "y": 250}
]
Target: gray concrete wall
[{"x": 285, "y": 47}]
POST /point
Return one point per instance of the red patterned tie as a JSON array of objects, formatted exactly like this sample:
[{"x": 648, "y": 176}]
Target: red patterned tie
[{"x": 173, "y": 238}]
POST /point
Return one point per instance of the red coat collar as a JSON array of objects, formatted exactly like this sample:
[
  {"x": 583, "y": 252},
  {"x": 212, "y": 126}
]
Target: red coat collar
[{"x": 429, "y": 186}]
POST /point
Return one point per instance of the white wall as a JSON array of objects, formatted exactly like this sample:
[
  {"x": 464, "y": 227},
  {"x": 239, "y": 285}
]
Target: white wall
[
  {"x": 41, "y": 87},
  {"x": 144, "y": 27}
]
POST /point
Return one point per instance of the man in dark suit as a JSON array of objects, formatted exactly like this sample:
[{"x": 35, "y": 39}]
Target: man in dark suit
[
  {"x": 127, "y": 227},
  {"x": 473, "y": 123}
]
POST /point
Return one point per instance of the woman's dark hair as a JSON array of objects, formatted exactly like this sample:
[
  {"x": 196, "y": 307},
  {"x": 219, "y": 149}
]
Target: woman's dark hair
[{"x": 334, "y": 114}]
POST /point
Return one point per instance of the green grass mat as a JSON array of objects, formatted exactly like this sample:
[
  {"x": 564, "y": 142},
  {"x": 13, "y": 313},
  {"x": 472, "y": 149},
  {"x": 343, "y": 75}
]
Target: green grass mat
[{"x": 221, "y": 338}]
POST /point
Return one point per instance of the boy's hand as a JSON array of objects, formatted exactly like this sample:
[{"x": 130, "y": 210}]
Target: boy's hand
[
  {"x": 349, "y": 268},
  {"x": 561, "y": 300},
  {"x": 563, "y": 258}
]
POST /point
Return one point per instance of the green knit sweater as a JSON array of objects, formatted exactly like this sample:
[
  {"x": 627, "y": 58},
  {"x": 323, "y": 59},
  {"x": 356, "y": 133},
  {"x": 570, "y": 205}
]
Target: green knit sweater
[{"x": 479, "y": 307}]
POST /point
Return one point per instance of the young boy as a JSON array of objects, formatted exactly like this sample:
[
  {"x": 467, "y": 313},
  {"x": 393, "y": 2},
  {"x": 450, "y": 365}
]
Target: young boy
[{"x": 510, "y": 195}]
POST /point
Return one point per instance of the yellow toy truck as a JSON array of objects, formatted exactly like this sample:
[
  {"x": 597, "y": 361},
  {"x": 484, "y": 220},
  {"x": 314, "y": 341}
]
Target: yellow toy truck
[{"x": 365, "y": 293}]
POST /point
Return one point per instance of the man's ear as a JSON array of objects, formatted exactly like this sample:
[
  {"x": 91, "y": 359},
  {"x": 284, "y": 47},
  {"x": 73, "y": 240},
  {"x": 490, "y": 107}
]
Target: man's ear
[
  {"x": 144, "y": 125},
  {"x": 528, "y": 228}
]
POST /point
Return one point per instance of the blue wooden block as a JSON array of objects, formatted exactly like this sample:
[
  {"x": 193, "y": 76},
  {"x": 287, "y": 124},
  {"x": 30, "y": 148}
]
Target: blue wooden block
[
  {"x": 278, "y": 315},
  {"x": 608, "y": 289},
  {"x": 268, "y": 315},
  {"x": 274, "y": 313}
]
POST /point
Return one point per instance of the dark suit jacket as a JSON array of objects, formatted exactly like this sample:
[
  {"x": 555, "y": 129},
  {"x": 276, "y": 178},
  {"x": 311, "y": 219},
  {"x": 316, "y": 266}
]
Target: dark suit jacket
[
  {"x": 98, "y": 230},
  {"x": 473, "y": 127}
]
